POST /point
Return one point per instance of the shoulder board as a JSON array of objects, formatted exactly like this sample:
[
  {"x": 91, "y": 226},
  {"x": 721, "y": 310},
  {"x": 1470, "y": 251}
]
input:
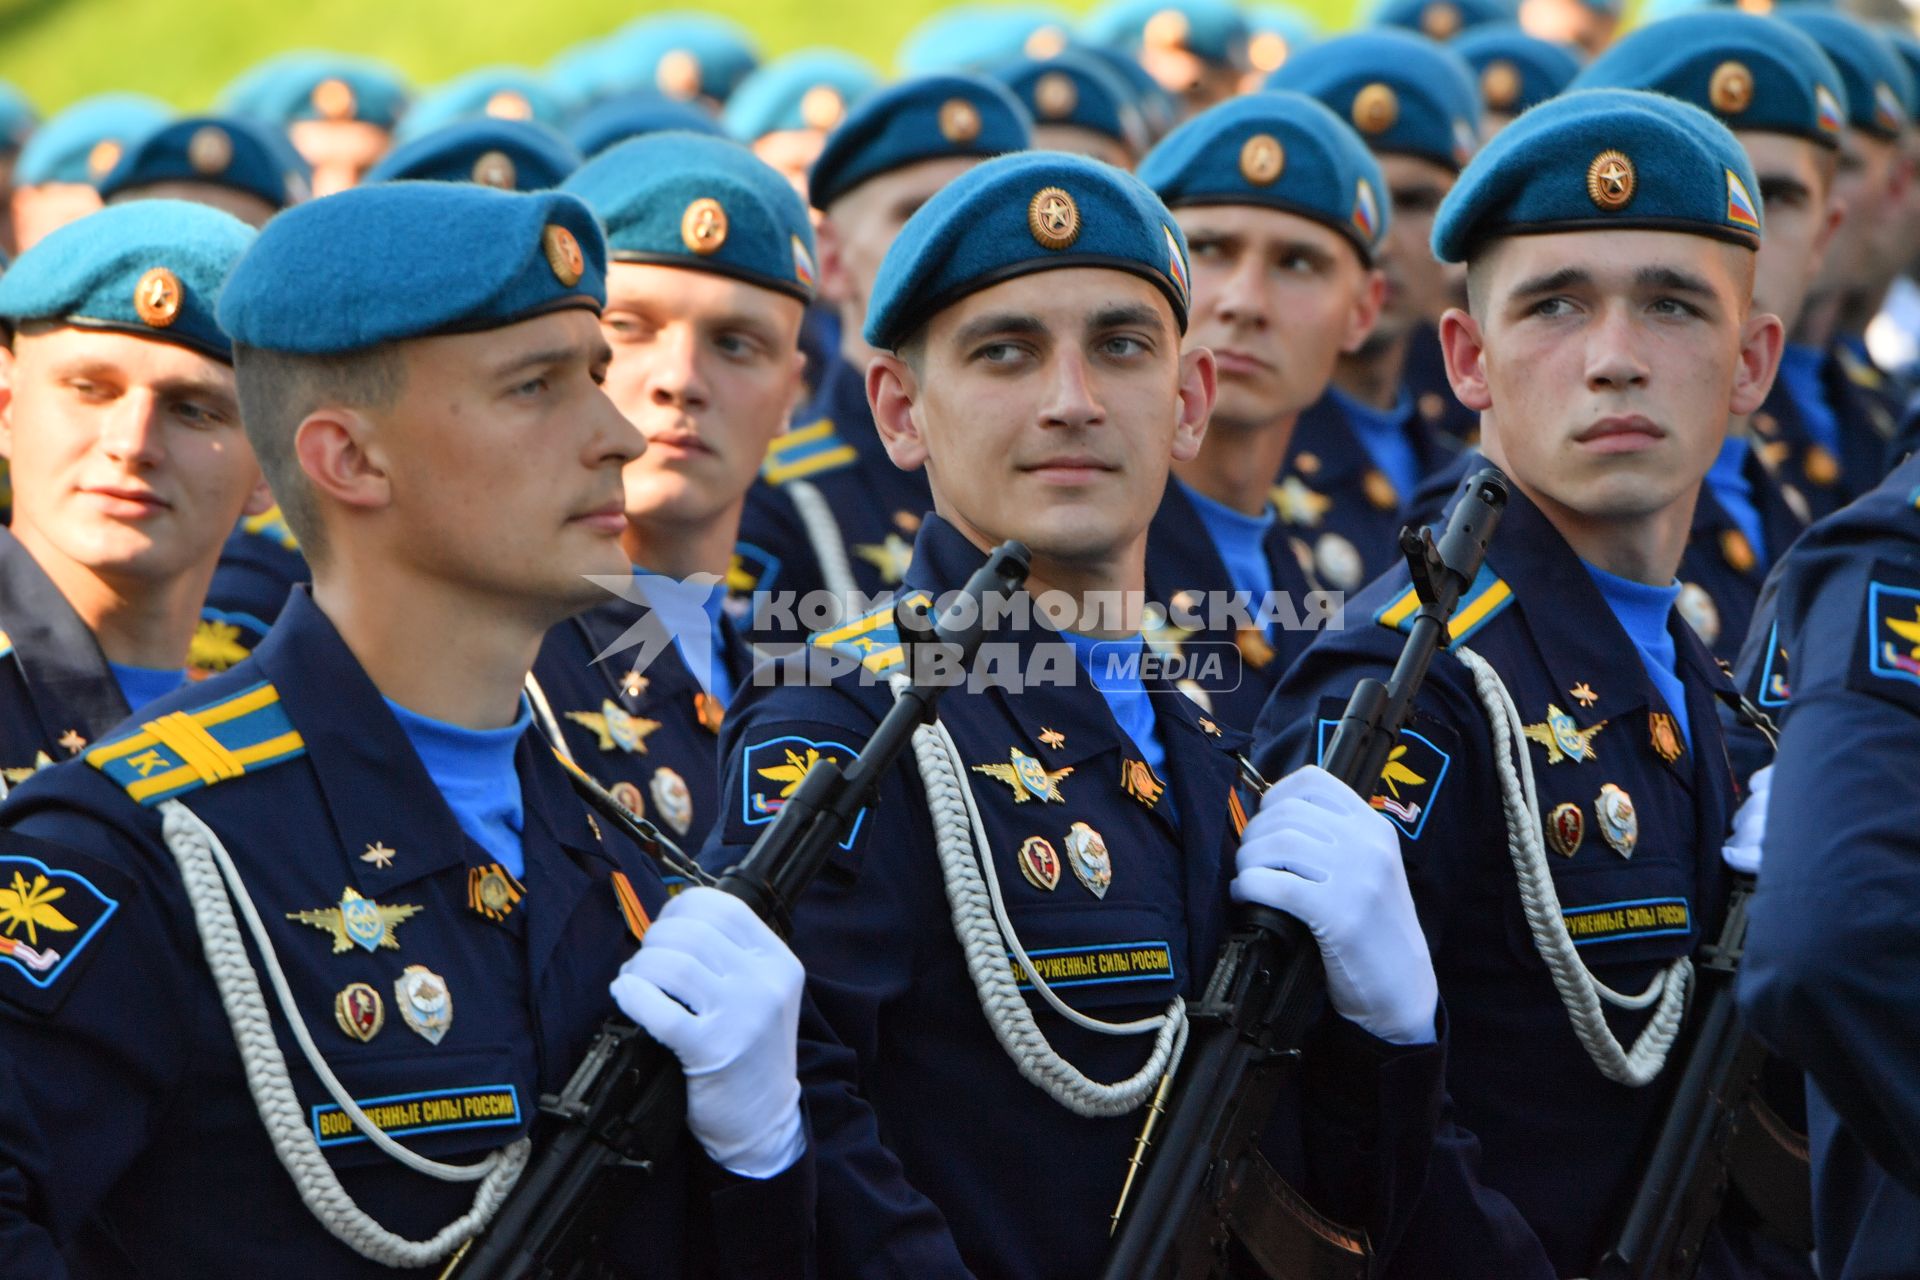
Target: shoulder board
[
  {"x": 6, "y": 644},
  {"x": 272, "y": 526},
  {"x": 1860, "y": 372},
  {"x": 1483, "y": 601},
  {"x": 806, "y": 451},
  {"x": 186, "y": 750},
  {"x": 873, "y": 638}
]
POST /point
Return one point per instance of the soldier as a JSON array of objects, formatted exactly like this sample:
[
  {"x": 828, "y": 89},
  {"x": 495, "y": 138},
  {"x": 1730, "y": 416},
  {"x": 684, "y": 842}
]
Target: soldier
[
  {"x": 1195, "y": 49},
  {"x": 489, "y": 93},
  {"x": 233, "y": 165},
  {"x": 786, "y": 109},
  {"x": 452, "y": 467},
  {"x": 703, "y": 318},
  {"x": 512, "y": 155},
  {"x": 1516, "y": 71},
  {"x": 122, "y": 427},
  {"x": 1283, "y": 208},
  {"x": 832, "y": 514},
  {"x": 338, "y": 111},
  {"x": 1441, "y": 20},
  {"x": 1078, "y": 106},
  {"x": 1365, "y": 447},
  {"x": 1031, "y": 315},
  {"x": 1562, "y": 793},
  {"x": 53, "y": 181},
  {"x": 697, "y": 58}
]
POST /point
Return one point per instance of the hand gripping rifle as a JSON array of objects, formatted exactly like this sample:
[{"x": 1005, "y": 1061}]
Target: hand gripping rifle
[
  {"x": 625, "y": 1105},
  {"x": 1719, "y": 1134},
  {"x": 1206, "y": 1186}
]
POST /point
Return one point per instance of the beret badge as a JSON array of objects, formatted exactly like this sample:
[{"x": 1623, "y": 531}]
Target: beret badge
[
  {"x": 959, "y": 121},
  {"x": 210, "y": 150},
  {"x": 1731, "y": 88},
  {"x": 1375, "y": 108},
  {"x": 494, "y": 169},
  {"x": 1055, "y": 96},
  {"x": 157, "y": 298},
  {"x": 703, "y": 227},
  {"x": 334, "y": 100},
  {"x": 1500, "y": 85},
  {"x": 1611, "y": 180},
  {"x": 563, "y": 254},
  {"x": 1053, "y": 218},
  {"x": 1261, "y": 159},
  {"x": 822, "y": 107}
]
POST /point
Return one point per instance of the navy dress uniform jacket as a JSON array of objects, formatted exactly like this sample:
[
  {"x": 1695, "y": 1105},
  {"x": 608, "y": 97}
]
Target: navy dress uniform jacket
[
  {"x": 259, "y": 567},
  {"x": 1025, "y": 1187},
  {"x": 57, "y": 694},
  {"x": 1538, "y": 1152},
  {"x": 1827, "y": 979},
  {"x": 124, "y": 1099},
  {"x": 1810, "y": 475}
]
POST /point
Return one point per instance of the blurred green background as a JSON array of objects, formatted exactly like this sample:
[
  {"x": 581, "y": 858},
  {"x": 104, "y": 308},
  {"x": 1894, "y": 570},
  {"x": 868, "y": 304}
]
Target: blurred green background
[{"x": 184, "y": 50}]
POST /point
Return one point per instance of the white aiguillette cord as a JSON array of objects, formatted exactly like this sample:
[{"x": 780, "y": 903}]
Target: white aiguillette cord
[{"x": 209, "y": 874}]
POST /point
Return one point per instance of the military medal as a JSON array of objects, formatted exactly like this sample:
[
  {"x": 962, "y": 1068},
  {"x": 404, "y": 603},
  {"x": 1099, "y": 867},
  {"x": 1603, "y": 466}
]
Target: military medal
[
  {"x": 1039, "y": 863},
  {"x": 358, "y": 920},
  {"x": 631, "y": 908},
  {"x": 1338, "y": 562},
  {"x": 1092, "y": 865},
  {"x": 493, "y": 892},
  {"x": 629, "y": 797},
  {"x": 1253, "y": 647},
  {"x": 1028, "y": 777},
  {"x": 1821, "y": 466},
  {"x": 1697, "y": 610},
  {"x": 672, "y": 798},
  {"x": 1566, "y": 826},
  {"x": 1138, "y": 780},
  {"x": 1666, "y": 735},
  {"x": 1379, "y": 490},
  {"x": 1619, "y": 824},
  {"x": 424, "y": 1002},
  {"x": 359, "y": 1011},
  {"x": 1737, "y": 551},
  {"x": 1563, "y": 739},
  {"x": 709, "y": 711}
]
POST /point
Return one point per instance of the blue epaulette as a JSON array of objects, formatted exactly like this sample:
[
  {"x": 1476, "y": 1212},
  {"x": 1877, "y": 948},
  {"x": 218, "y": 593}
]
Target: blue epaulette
[
  {"x": 186, "y": 750},
  {"x": 806, "y": 452},
  {"x": 1481, "y": 603},
  {"x": 873, "y": 638}
]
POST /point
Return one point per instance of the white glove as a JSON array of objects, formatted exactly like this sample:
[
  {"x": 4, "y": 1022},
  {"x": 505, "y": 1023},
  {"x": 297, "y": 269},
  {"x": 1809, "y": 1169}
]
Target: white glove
[
  {"x": 716, "y": 986},
  {"x": 1320, "y": 853},
  {"x": 1742, "y": 849}
]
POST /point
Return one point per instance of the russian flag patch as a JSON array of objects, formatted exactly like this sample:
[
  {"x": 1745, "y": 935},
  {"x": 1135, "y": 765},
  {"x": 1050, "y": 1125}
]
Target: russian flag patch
[
  {"x": 1741, "y": 211},
  {"x": 1366, "y": 214},
  {"x": 1827, "y": 110}
]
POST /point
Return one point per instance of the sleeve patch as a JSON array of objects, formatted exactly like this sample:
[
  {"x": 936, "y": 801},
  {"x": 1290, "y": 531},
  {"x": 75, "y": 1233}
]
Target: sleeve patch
[
  {"x": 771, "y": 771},
  {"x": 1410, "y": 781},
  {"x": 48, "y": 918},
  {"x": 1621, "y": 921},
  {"x": 1893, "y": 621},
  {"x": 1775, "y": 689}
]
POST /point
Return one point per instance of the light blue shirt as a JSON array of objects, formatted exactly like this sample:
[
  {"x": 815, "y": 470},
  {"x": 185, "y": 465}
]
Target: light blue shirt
[
  {"x": 1800, "y": 371},
  {"x": 1383, "y": 434},
  {"x": 690, "y": 610},
  {"x": 141, "y": 685},
  {"x": 1107, "y": 664},
  {"x": 473, "y": 768},
  {"x": 1728, "y": 481},
  {"x": 1240, "y": 540},
  {"x": 1642, "y": 612}
]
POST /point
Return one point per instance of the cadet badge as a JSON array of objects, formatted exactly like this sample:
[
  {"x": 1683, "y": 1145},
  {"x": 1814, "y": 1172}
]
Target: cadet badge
[
  {"x": 1039, "y": 863},
  {"x": 1619, "y": 824},
  {"x": 1566, "y": 827},
  {"x": 1092, "y": 865},
  {"x": 1028, "y": 778},
  {"x": 493, "y": 892},
  {"x": 358, "y": 920},
  {"x": 616, "y": 728},
  {"x": 1563, "y": 739},
  {"x": 1139, "y": 781},
  {"x": 424, "y": 1002},
  {"x": 360, "y": 1011},
  {"x": 47, "y": 917},
  {"x": 672, "y": 798},
  {"x": 1665, "y": 732},
  {"x": 1894, "y": 615}
]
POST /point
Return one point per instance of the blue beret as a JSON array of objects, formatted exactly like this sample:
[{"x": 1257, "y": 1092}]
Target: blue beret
[
  {"x": 222, "y": 152},
  {"x": 1277, "y": 32},
  {"x": 972, "y": 37},
  {"x": 811, "y": 89},
  {"x": 1038, "y": 211},
  {"x": 513, "y": 155},
  {"x": 1443, "y": 19},
  {"x": 1908, "y": 47},
  {"x": 1213, "y": 30},
  {"x": 404, "y": 260},
  {"x": 1603, "y": 160},
  {"x": 1403, "y": 92},
  {"x": 636, "y": 114},
  {"x": 84, "y": 142},
  {"x": 1516, "y": 71},
  {"x": 1283, "y": 150},
  {"x": 17, "y": 117},
  {"x": 152, "y": 268},
  {"x": 1157, "y": 107},
  {"x": 926, "y": 118},
  {"x": 1073, "y": 89},
  {"x": 318, "y": 86},
  {"x": 502, "y": 93},
  {"x": 704, "y": 203},
  {"x": 1880, "y": 89},
  {"x": 684, "y": 55},
  {"x": 1752, "y": 72}
]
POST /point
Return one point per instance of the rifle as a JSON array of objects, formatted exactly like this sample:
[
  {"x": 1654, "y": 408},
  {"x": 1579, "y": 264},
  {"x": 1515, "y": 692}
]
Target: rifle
[
  {"x": 1208, "y": 1186},
  {"x": 1719, "y": 1134},
  {"x": 625, "y": 1104}
]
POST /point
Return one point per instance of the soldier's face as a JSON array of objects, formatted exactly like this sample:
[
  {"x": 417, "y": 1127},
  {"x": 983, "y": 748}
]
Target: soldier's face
[
  {"x": 340, "y": 151},
  {"x": 706, "y": 367},
  {"x": 1074, "y": 140},
  {"x": 1048, "y": 408},
  {"x": 500, "y": 464},
  {"x": 1607, "y": 363},
  {"x": 40, "y": 211},
  {"x": 128, "y": 458},
  {"x": 1277, "y": 298},
  {"x": 792, "y": 152},
  {"x": 1418, "y": 288},
  {"x": 1795, "y": 195},
  {"x": 1871, "y": 183}
]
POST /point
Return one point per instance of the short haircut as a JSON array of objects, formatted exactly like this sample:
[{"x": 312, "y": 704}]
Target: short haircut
[{"x": 279, "y": 390}]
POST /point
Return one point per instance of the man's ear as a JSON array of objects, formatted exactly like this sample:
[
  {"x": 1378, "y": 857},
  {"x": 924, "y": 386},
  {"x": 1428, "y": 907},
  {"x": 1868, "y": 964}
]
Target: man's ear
[
  {"x": 1465, "y": 352},
  {"x": 893, "y": 393},
  {"x": 1199, "y": 383},
  {"x": 7, "y": 368},
  {"x": 260, "y": 499},
  {"x": 341, "y": 455},
  {"x": 1762, "y": 339},
  {"x": 1365, "y": 312}
]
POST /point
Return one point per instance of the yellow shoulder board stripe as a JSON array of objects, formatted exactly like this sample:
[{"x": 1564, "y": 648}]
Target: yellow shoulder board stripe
[
  {"x": 185, "y": 750},
  {"x": 873, "y": 638},
  {"x": 1484, "y": 600},
  {"x": 271, "y": 525},
  {"x": 807, "y": 451}
]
